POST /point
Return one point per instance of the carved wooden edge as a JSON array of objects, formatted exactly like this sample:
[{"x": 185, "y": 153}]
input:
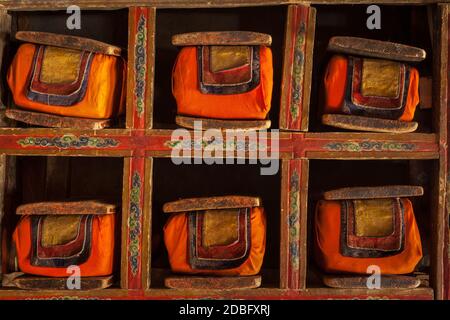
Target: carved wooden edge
[
  {"x": 230, "y": 38},
  {"x": 207, "y": 203},
  {"x": 360, "y": 282},
  {"x": 188, "y": 122},
  {"x": 373, "y": 192},
  {"x": 376, "y": 49},
  {"x": 362, "y": 123},
  {"x": 28, "y": 282},
  {"x": 55, "y": 121},
  {"x": 66, "y": 208},
  {"x": 69, "y": 42},
  {"x": 223, "y": 283}
]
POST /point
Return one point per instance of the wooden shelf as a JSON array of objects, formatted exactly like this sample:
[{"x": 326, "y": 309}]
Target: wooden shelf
[{"x": 144, "y": 142}]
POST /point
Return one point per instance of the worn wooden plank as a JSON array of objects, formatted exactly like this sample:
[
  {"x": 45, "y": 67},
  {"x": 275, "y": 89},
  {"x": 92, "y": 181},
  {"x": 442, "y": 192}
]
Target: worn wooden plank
[
  {"x": 373, "y": 192},
  {"x": 293, "y": 246},
  {"x": 5, "y": 33},
  {"x": 361, "y": 282},
  {"x": 124, "y": 223},
  {"x": 231, "y": 38},
  {"x": 55, "y": 121},
  {"x": 140, "y": 77},
  {"x": 208, "y": 203},
  {"x": 376, "y": 49},
  {"x": 297, "y": 67},
  {"x": 211, "y": 283},
  {"x": 66, "y": 207},
  {"x": 439, "y": 218},
  {"x": 45, "y": 283},
  {"x": 189, "y": 122},
  {"x": 362, "y": 123},
  {"x": 3, "y": 182},
  {"x": 69, "y": 42},
  {"x": 133, "y": 227}
]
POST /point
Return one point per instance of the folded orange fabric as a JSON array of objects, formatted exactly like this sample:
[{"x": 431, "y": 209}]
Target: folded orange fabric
[
  {"x": 251, "y": 104},
  {"x": 177, "y": 240},
  {"x": 48, "y": 247},
  {"x": 93, "y": 86},
  {"x": 397, "y": 253},
  {"x": 345, "y": 80}
]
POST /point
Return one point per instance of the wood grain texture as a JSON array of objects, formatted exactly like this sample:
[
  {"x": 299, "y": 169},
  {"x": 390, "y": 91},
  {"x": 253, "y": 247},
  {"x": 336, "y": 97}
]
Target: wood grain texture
[
  {"x": 147, "y": 225},
  {"x": 211, "y": 203},
  {"x": 66, "y": 207},
  {"x": 69, "y": 42},
  {"x": 3, "y": 187},
  {"x": 44, "y": 283},
  {"x": 373, "y": 192},
  {"x": 55, "y": 121},
  {"x": 213, "y": 283},
  {"x": 293, "y": 234},
  {"x": 376, "y": 49},
  {"x": 189, "y": 122},
  {"x": 224, "y": 38},
  {"x": 297, "y": 67},
  {"x": 362, "y": 123},
  {"x": 360, "y": 282}
]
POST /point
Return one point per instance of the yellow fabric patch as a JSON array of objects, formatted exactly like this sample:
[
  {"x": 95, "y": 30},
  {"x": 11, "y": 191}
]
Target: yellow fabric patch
[
  {"x": 374, "y": 218},
  {"x": 228, "y": 57},
  {"x": 58, "y": 230},
  {"x": 220, "y": 227},
  {"x": 60, "y": 65},
  {"x": 380, "y": 78}
]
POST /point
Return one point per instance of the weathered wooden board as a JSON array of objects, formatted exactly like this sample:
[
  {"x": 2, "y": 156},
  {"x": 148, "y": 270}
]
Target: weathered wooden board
[
  {"x": 373, "y": 192},
  {"x": 297, "y": 67},
  {"x": 55, "y": 121},
  {"x": 230, "y": 38},
  {"x": 46, "y": 283},
  {"x": 426, "y": 92},
  {"x": 361, "y": 282},
  {"x": 376, "y": 49},
  {"x": 69, "y": 42},
  {"x": 189, "y": 122},
  {"x": 223, "y": 283},
  {"x": 362, "y": 123},
  {"x": 66, "y": 207},
  {"x": 207, "y": 203}
]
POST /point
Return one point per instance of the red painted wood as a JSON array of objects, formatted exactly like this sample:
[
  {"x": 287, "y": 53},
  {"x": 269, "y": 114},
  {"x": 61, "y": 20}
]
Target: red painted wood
[{"x": 295, "y": 50}]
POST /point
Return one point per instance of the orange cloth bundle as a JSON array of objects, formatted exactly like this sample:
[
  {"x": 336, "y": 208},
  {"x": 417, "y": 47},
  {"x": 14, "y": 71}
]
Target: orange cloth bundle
[
  {"x": 351, "y": 235},
  {"x": 214, "y": 80},
  {"x": 218, "y": 242},
  {"x": 371, "y": 87},
  {"x": 47, "y": 242},
  {"x": 67, "y": 82}
]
